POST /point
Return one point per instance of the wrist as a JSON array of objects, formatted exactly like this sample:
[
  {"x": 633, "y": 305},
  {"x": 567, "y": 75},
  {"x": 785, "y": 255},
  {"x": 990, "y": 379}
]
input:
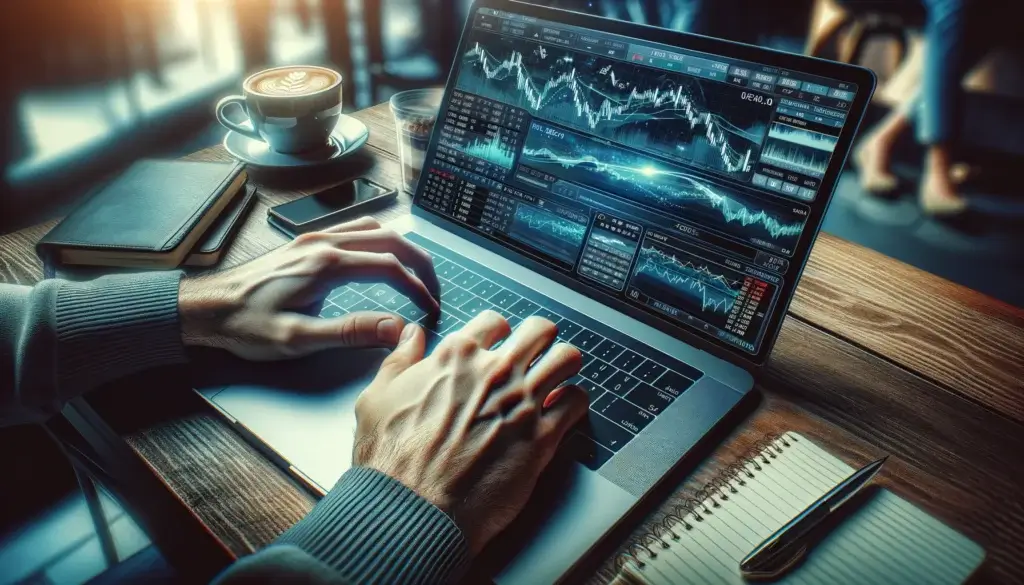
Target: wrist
[{"x": 203, "y": 308}]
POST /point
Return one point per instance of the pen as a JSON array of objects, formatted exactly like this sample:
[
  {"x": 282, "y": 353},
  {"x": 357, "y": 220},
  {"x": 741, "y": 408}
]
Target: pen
[{"x": 783, "y": 548}]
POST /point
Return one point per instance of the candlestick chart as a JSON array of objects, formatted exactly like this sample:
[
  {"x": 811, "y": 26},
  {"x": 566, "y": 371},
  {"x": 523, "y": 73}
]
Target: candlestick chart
[{"x": 693, "y": 120}]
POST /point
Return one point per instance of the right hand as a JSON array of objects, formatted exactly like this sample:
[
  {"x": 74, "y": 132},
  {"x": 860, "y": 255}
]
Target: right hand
[{"x": 471, "y": 428}]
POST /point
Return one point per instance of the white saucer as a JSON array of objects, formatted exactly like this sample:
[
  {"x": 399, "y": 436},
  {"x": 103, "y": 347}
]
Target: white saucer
[{"x": 348, "y": 136}]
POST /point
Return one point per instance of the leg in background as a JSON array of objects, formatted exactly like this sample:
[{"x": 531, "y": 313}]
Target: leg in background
[{"x": 874, "y": 156}]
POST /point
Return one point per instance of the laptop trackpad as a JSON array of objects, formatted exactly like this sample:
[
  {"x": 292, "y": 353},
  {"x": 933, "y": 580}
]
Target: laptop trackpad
[{"x": 304, "y": 410}]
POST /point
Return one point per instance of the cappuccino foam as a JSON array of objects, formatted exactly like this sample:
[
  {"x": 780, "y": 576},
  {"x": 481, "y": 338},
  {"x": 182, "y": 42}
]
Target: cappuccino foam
[{"x": 293, "y": 81}]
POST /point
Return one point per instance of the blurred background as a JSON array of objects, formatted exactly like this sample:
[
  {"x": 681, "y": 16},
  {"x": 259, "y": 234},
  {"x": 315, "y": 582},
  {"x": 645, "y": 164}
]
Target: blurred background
[{"x": 88, "y": 86}]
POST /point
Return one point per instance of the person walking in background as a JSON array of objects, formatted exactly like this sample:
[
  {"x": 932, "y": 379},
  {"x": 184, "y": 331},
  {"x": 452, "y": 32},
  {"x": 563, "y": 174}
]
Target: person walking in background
[{"x": 958, "y": 33}]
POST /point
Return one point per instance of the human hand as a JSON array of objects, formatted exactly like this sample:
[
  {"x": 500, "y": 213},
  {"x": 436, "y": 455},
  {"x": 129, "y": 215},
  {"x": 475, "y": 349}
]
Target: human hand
[
  {"x": 471, "y": 428},
  {"x": 255, "y": 310}
]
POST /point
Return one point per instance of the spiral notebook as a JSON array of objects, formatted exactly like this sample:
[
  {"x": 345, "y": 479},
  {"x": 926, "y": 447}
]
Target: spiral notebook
[{"x": 885, "y": 540}]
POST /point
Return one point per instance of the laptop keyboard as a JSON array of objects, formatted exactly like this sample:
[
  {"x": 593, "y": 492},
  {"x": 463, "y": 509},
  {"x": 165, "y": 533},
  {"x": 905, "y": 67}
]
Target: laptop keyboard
[{"x": 629, "y": 383}]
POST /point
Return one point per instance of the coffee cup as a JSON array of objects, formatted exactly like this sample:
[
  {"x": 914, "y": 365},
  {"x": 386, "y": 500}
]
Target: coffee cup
[{"x": 292, "y": 109}]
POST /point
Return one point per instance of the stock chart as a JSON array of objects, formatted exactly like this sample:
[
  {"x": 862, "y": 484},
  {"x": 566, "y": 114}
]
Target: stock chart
[
  {"x": 722, "y": 297},
  {"x": 626, "y": 173},
  {"x": 686, "y": 118},
  {"x": 796, "y": 149},
  {"x": 547, "y": 232}
]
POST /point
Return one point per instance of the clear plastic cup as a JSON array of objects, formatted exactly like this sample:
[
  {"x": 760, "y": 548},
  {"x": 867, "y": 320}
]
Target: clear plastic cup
[{"x": 415, "y": 112}]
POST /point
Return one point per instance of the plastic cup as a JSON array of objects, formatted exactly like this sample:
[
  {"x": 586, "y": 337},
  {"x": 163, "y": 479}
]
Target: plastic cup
[{"x": 415, "y": 113}]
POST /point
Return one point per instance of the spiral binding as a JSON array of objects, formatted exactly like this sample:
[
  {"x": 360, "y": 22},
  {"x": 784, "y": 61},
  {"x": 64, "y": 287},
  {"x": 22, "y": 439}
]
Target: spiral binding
[{"x": 682, "y": 517}]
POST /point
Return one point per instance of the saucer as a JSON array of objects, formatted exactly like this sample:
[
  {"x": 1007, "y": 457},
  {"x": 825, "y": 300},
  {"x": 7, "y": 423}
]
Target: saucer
[{"x": 348, "y": 136}]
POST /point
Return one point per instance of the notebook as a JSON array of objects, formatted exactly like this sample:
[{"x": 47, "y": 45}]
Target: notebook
[
  {"x": 151, "y": 216},
  {"x": 884, "y": 540},
  {"x": 217, "y": 240}
]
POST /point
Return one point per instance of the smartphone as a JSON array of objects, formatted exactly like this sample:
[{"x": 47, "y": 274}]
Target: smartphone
[{"x": 329, "y": 207}]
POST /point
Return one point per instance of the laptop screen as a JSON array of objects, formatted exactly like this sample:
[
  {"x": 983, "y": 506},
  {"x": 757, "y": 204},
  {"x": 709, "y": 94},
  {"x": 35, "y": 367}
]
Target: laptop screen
[{"x": 679, "y": 182}]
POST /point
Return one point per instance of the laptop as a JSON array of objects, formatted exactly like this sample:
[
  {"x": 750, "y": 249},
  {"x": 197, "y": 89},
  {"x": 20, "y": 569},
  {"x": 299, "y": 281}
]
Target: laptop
[{"x": 653, "y": 193}]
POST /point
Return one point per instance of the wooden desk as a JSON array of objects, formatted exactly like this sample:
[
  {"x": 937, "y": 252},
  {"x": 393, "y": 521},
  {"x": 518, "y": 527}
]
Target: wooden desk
[{"x": 875, "y": 357}]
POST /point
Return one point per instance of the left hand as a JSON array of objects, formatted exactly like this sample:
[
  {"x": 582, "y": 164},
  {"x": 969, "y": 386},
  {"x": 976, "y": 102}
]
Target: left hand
[{"x": 254, "y": 310}]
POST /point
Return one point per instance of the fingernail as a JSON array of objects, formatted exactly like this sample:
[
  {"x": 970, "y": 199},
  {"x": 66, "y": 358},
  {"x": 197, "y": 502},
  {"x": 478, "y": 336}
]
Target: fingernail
[
  {"x": 408, "y": 332},
  {"x": 554, "y": 396},
  {"x": 387, "y": 331}
]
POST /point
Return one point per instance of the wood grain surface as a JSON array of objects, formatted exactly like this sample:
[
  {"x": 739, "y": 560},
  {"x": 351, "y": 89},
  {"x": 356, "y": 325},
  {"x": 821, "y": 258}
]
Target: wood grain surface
[{"x": 875, "y": 357}]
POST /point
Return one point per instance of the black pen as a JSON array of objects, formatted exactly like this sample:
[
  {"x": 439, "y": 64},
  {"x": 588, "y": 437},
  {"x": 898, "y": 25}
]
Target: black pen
[{"x": 781, "y": 550}]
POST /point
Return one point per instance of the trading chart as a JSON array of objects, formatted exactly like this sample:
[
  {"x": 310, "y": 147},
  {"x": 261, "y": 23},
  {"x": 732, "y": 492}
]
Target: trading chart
[
  {"x": 680, "y": 182},
  {"x": 680, "y": 283},
  {"x": 623, "y": 172},
  {"x": 799, "y": 150},
  {"x": 695, "y": 121},
  {"x": 547, "y": 232}
]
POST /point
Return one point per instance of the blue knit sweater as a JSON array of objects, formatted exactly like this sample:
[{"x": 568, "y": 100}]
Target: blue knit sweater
[{"x": 61, "y": 339}]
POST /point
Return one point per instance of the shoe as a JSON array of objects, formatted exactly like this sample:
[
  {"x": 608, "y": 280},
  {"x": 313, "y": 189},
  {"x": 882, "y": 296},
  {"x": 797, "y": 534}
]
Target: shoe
[{"x": 878, "y": 183}]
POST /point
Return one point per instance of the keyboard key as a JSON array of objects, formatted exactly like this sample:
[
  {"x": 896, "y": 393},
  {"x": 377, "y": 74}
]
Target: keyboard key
[
  {"x": 444, "y": 323},
  {"x": 593, "y": 390},
  {"x": 485, "y": 289},
  {"x": 621, "y": 383},
  {"x": 627, "y": 360},
  {"x": 567, "y": 329},
  {"x": 467, "y": 279},
  {"x": 439, "y": 262},
  {"x": 513, "y": 320},
  {"x": 598, "y": 371},
  {"x": 447, "y": 286},
  {"x": 346, "y": 299},
  {"x": 625, "y": 414},
  {"x": 475, "y": 306},
  {"x": 548, "y": 314},
  {"x": 381, "y": 293},
  {"x": 449, "y": 271},
  {"x": 455, "y": 298},
  {"x": 607, "y": 350},
  {"x": 604, "y": 431},
  {"x": 603, "y": 402},
  {"x": 366, "y": 305},
  {"x": 361, "y": 287},
  {"x": 331, "y": 311},
  {"x": 411, "y": 313},
  {"x": 395, "y": 303},
  {"x": 650, "y": 398},
  {"x": 586, "y": 339},
  {"x": 505, "y": 299},
  {"x": 524, "y": 308},
  {"x": 684, "y": 370},
  {"x": 649, "y": 371},
  {"x": 583, "y": 449},
  {"x": 672, "y": 383}
]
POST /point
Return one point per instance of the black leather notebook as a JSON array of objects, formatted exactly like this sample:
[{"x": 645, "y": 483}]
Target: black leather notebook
[
  {"x": 151, "y": 216},
  {"x": 215, "y": 243}
]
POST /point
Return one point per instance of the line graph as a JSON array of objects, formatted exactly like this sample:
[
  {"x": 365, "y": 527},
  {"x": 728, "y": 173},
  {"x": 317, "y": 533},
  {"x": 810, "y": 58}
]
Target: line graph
[
  {"x": 799, "y": 150},
  {"x": 710, "y": 289},
  {"x": 695, "y": 121},
  {"x": 615, "y": 242},
  {"x": 493, "y": 150},
  {"x": 621, "y": 172},
  {"x": 717, "y": 295},
  {"x": 547, "y": 232}
]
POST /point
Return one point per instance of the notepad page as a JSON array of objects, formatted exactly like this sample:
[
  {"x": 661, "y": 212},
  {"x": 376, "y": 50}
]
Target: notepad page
[{"x": 888, "y": 540}]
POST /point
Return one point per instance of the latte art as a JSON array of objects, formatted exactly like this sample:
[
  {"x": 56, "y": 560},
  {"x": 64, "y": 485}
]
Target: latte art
[{"x": 293, "y": 81}]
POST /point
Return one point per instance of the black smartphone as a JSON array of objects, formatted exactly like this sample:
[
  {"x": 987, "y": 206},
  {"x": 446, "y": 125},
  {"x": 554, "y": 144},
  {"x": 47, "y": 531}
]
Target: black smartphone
[{"x": 329, "y": 207}]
